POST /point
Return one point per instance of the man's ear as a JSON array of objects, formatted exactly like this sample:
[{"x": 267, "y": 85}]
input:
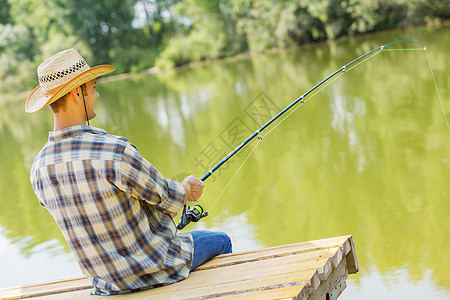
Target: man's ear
[{"x": 76, "y": 93}]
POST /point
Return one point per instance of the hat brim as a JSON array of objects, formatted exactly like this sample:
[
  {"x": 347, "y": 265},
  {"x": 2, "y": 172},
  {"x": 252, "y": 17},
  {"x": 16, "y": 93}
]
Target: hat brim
[{"x": 38, "y": 99}]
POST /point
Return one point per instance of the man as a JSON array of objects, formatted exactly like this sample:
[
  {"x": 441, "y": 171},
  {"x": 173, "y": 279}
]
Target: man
[{"x": 113, "y": 207}]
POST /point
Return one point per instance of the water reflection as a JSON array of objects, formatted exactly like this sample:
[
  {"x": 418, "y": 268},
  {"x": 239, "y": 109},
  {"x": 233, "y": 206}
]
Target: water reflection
[
  {"x": 343, "y": 121},
  {"x": 368, "y": 156}
]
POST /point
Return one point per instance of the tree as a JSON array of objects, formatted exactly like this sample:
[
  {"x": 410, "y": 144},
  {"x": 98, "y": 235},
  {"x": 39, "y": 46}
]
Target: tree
[
  {"x": 104, "y": 25},
  {"x": 156, "y": 18},
  {"x": 5, "y": 17}
]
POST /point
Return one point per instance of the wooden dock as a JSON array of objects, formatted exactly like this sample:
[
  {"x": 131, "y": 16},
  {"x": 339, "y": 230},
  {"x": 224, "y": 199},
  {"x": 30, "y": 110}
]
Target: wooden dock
[{"x": 308, "y": 270}]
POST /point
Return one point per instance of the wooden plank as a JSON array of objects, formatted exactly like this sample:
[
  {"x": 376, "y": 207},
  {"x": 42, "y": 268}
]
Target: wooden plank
[
  {"x": 237, "y": 287},
  {"x": 324, "y": 287},
  {"x": 62, "y": 286},
  {"x": 279, "y": 293},
  {"x": 268, "y": 253},
  {"x": 249, "y": 272},
  {"x": 265, "y": 253},
  {"x": 247, "y": 287},
  {"x": 284, "y": 270},
  {"x": 74, "y": 295},
  {"x": 45, "y": 288},
  {"x": 334, "y": 241},
  {"x": 290, "y": 292},
  {"x": 352, "y": 260},
  {"x": 325, "y": 271},
  {"x": 305, "y": 260},
  {"x": 235, "y": 274},
  {"x": 201, "y": 283}
]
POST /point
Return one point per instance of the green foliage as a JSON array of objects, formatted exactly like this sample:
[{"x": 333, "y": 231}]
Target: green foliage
[
  {"x": 104, "y": 25},
  {"x": 246, "y": 25},
  {"x": 17, "y": 52},
  {"x": 433, "y": 8},
  {"x": 208, "y": 31},
  {"x": 5, "y": 17},
  {"x": 138, "y": 34},
  {"x": 35, "y": 32}
]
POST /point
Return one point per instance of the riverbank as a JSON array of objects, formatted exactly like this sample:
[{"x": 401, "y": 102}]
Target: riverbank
[{"x": 156, "y": 70}]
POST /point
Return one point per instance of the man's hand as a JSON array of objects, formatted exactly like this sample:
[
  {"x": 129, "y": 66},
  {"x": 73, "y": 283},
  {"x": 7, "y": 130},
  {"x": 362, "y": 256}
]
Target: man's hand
[{"x": 194, "y": 188}]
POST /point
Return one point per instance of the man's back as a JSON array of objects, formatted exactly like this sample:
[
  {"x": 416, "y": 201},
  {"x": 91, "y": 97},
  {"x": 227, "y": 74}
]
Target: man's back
[{"x": 112, "y": 207}]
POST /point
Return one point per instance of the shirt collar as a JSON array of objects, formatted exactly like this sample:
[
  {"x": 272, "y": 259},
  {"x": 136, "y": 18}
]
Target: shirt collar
[{"x": 71, "y": 131}]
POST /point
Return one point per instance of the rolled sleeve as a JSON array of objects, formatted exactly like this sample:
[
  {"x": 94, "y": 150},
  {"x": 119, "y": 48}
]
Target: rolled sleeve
[
  {"x": 175, "y": 199},
  {"x": 143, "y": 181}
]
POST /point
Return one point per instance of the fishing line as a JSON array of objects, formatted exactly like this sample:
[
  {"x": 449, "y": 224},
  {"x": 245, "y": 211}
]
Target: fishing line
[
  {"x": 437, "y": 90},
  {"x": 304, "y": 98},
  {"x": 432, "y": 76},
  {"x": 282, "y": 120},
  {"x": 229, "y": 182},
  {"x": 364, "y": 60},
  {"x": 319, "y": 90},
  {"x": 405, "y": 49}
]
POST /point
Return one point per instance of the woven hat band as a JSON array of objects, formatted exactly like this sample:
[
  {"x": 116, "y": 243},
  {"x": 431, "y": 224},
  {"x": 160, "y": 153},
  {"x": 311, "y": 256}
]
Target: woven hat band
[
  {"x": 59, "y": 74},
  {"x": 51, "y": 80}
]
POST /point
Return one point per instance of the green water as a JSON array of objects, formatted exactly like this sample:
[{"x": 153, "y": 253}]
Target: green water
[{"x": 368, "y": 156}]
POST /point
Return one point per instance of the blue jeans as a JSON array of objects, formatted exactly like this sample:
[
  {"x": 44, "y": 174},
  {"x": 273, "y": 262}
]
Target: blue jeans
[{"x": 208, "y": 244}]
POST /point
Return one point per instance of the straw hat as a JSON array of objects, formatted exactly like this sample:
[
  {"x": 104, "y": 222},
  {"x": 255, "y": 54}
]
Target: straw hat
[{"x": 60, "y": 74}]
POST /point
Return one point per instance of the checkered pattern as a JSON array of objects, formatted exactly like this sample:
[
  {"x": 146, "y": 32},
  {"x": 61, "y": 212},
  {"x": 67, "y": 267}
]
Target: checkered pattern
[{"x": 112, "y": 207}]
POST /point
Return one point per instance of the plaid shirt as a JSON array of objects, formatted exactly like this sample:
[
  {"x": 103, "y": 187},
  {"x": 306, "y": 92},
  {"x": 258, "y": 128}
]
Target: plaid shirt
[{"x": 112, "y": 207}]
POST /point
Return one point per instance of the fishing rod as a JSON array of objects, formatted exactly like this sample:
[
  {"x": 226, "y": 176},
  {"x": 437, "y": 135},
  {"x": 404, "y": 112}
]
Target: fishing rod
[{"x": 197, "y": 212}]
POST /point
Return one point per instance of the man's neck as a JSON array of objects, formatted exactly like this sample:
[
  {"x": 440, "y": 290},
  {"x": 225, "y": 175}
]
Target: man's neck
[
  {"x": 61, "y": 122},
  {"x": 72, "y": 114}
]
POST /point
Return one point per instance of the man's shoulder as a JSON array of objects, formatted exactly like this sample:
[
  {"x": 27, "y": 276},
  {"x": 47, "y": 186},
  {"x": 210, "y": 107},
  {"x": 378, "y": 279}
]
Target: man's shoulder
[
  {"x": 104, "y": 138},
  {"x": 97, "y": 146},
  {"x": 84, "y": 146}
]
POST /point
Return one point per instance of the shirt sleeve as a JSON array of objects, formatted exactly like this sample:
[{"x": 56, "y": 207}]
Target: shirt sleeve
[{"x": 143, "y": 181}]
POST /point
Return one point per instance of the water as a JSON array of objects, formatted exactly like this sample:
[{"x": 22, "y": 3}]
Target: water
[{"x": 368, "y": 156}]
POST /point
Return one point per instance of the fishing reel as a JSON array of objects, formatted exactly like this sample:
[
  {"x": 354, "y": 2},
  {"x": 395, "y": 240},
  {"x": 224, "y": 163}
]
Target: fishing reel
[{"x": 189, "y": 215}]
